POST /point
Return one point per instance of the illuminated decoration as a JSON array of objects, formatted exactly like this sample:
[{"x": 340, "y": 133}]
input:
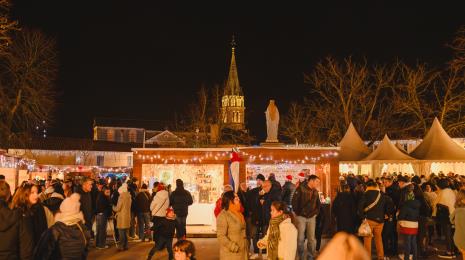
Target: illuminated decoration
[
  {"x": 224, "y": 156},
  {"x": 8, "y": 161},
  {"x": 280, "y": 171}
]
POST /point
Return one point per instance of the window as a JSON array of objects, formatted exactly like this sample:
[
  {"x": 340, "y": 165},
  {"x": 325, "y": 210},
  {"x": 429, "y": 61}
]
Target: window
[
  {"x": 130, "y": 161},
  {"x": 110, "y": 135},
  {"x": 132, "y": 136},
  {"x": 233, "y": 102},
  {"x": 100, "y": 160}
]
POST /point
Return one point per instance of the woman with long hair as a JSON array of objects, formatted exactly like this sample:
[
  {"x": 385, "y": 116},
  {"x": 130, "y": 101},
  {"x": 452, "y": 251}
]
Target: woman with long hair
[
  {"x": 281, "y": 237},
  {"x": 230, "y": 228},
  {"x": 26, "y": 199}
]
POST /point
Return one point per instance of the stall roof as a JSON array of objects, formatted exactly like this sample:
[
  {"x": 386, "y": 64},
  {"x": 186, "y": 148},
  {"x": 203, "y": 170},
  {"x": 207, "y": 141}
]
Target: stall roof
[
  {"x": 387, "y": 151},
  {"x": 352, "y": 146},
  {"x": 437, "y": 145}
]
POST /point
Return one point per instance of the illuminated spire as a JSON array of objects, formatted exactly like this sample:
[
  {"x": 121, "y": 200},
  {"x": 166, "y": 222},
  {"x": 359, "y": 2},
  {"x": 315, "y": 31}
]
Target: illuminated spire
[{"x": 232, "y": 85}]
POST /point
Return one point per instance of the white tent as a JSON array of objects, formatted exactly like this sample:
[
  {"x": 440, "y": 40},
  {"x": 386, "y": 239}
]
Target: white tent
[
  {"x": 352, "y": 146},
  {"x": 439, "y": 152},
  {"x": 438, "y": 146},
  {"x": 353, "y": 149},
  {"x": 387, "y": 156}
]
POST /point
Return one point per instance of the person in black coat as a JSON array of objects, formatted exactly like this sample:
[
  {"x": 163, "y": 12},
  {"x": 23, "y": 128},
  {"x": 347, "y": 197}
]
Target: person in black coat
[
  {"x": 164, "y": 235},
  {"x": 255, "y": 217},
  {"x": 143, "y": 200},
  {"x": 288, "y": 191},
  {"x": 16, "y": 241},
  {"x": 344, "y": 209},
  {"x": 271, "y": 194},
  {"x": 68, "y": 238},
  {"x": 87, "y": 206},
  {"x": 103, "y": 211},
  {"x": 180, "y": 200}
]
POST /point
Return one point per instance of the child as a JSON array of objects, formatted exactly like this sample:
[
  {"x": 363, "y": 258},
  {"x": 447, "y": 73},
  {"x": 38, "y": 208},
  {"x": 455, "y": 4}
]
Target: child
[
  {"x": 184, "y": 250},
  {"x": 164, "y": 232}
]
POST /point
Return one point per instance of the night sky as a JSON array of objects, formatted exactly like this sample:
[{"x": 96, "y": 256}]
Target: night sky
[{"x": 128, "y": 59}]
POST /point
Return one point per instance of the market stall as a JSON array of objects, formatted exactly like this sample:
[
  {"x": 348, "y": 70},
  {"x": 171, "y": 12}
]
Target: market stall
[{"x": 353, "y": 149}]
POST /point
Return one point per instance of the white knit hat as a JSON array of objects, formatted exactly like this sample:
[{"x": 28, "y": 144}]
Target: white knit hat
[{"x": 71, "y": 205}]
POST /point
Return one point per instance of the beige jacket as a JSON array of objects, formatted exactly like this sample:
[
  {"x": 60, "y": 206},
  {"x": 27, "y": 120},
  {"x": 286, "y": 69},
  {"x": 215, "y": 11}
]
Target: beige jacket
[
  {"x": 231, "y": 236},
  {"x": 123, "y": 211},
  {"x": 287, "y": 245}
]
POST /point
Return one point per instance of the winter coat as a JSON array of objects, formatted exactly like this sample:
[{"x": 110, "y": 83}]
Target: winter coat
[
  {"x": 287, "y": 245},
  {"x": 160, "y": 203},
  {"x": 63, "y": 242},
  {"x": 393, "y": 192},
  {"x": 254, "y": 206},
  {"x": 38, "y": 220},
  {"x": 447, "y": 198},
  {"x": 165, "y": 228},
  {"x": 231, "y": 236},
  {"x": 458, "y": 218},
  {"x": 344, "y": 209},
  {"x": 288, "y": 192},
  {"x": 306, "y": 201},
  {"x": 86, "y": 205},
  {"x": 180, "y": 200},
  {"x": 376, "y": 213},
  {"x": 269, "y": 197},
  {"x": 123, "y": 211},
  {"x": 409, "y": 215},
  {"x": 53, "y": 202},
  {"x": 16, "y": 241},
  {"x": 143, "y": 202},
  {"x": 243, "y": 198},
  {"x": 103, "y": 205}
]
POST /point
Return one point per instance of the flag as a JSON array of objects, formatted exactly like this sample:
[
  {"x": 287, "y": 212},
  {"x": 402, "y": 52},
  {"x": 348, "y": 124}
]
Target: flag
[{"x": 234, "y": 170}]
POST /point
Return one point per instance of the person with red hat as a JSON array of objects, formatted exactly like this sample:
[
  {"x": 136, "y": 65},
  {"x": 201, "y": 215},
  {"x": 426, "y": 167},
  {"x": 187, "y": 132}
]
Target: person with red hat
[
  {"x": 300, "y": 179},
  {"x": 288, "y": 191},
  {"x": 164, "y": 233}
]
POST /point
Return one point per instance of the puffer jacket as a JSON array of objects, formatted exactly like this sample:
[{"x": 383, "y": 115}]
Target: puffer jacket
[
  {"x": 16, "y": 240},
  {"x": 180, "y": 199},
  {"x": 306, "y": 201},
  {"x": 288, "y": 192},
  {"x": 64, "y": 242}
]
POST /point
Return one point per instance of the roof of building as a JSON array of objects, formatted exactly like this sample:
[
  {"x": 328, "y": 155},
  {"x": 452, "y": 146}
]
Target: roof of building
[
  {"x": 437, "y": 145},
  {"x": 133, "y": 123},
  {"x": 387, "y": 151},
  {"x": 352, "y": 146},
  {"x": 66, "y": 143}
]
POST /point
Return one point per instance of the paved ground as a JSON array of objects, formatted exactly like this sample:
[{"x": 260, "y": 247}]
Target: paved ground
[{"x": 207, "y": 248}]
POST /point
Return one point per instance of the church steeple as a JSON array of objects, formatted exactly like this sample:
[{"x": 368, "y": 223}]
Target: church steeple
[
  {"x": 232, "y": 85},
  {"x": 232, "y": 102}
]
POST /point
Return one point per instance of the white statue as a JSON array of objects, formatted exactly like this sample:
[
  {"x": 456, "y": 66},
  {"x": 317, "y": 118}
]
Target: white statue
[{"x": 272, "y": 122}]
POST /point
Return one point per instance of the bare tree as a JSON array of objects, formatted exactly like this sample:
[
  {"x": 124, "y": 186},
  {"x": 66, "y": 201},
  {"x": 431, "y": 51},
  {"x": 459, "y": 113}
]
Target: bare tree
[
  {"x": 458, "y": 46},
  {"x": 6, "y": 26},
  {"x": 27, "y": 75},
  {"x": 296, "y": 123}
]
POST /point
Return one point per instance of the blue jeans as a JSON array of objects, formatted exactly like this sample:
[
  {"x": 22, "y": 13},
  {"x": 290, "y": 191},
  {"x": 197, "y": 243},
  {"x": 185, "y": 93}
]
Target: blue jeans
[
  {"x": 123, "y": 237},
  {"x": 143, "y": 221},
  {"x": 161, "y": 243},
  {"x": 101, "y": 228},
  {"x": 410, "y": 246},
  {"x": 306, "y": 226},
  {"x": 180, "y": 226}
]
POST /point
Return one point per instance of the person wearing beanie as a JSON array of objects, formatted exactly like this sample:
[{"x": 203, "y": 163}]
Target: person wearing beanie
[
  {"x": 409, "y": 215},
  {"x": 164, "y": 234},
  {"x": 180, "y": 200},
  {"x": 143, "y": 212},
  {"x": 123, "y": 215},
  {"x": 288, "y": 191},
  {"x": 68, "y": 238}
]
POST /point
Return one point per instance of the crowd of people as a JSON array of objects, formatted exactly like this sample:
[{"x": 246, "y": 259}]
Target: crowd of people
[
  {"x": 56, "y": 219},
  {"x": 408, "y": 217}
]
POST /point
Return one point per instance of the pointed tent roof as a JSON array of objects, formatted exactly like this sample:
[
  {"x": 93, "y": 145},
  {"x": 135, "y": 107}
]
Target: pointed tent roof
[
  {"x": 437, "y": 145},
  {"x": 387, "y": 151},
  {"x": 352, "y": 146},
  {"x": 232, "y": 84}
]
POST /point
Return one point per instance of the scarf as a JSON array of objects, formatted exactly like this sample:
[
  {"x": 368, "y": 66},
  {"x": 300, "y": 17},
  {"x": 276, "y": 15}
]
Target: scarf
[
  {"x": 69, "y": 219},
  {"x": 273, "y": 237}
]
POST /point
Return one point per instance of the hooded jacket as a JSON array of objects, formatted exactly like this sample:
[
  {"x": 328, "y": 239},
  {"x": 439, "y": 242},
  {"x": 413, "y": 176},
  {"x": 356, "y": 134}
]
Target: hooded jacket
[{"x": 16, "y": 237}]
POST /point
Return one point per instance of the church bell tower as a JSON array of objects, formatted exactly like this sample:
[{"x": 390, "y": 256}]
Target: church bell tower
[{"x": 232, "y": 102}]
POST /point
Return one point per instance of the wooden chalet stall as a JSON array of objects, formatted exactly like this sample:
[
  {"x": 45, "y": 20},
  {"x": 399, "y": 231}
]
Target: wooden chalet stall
[{"x": 205, "y": 170}]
